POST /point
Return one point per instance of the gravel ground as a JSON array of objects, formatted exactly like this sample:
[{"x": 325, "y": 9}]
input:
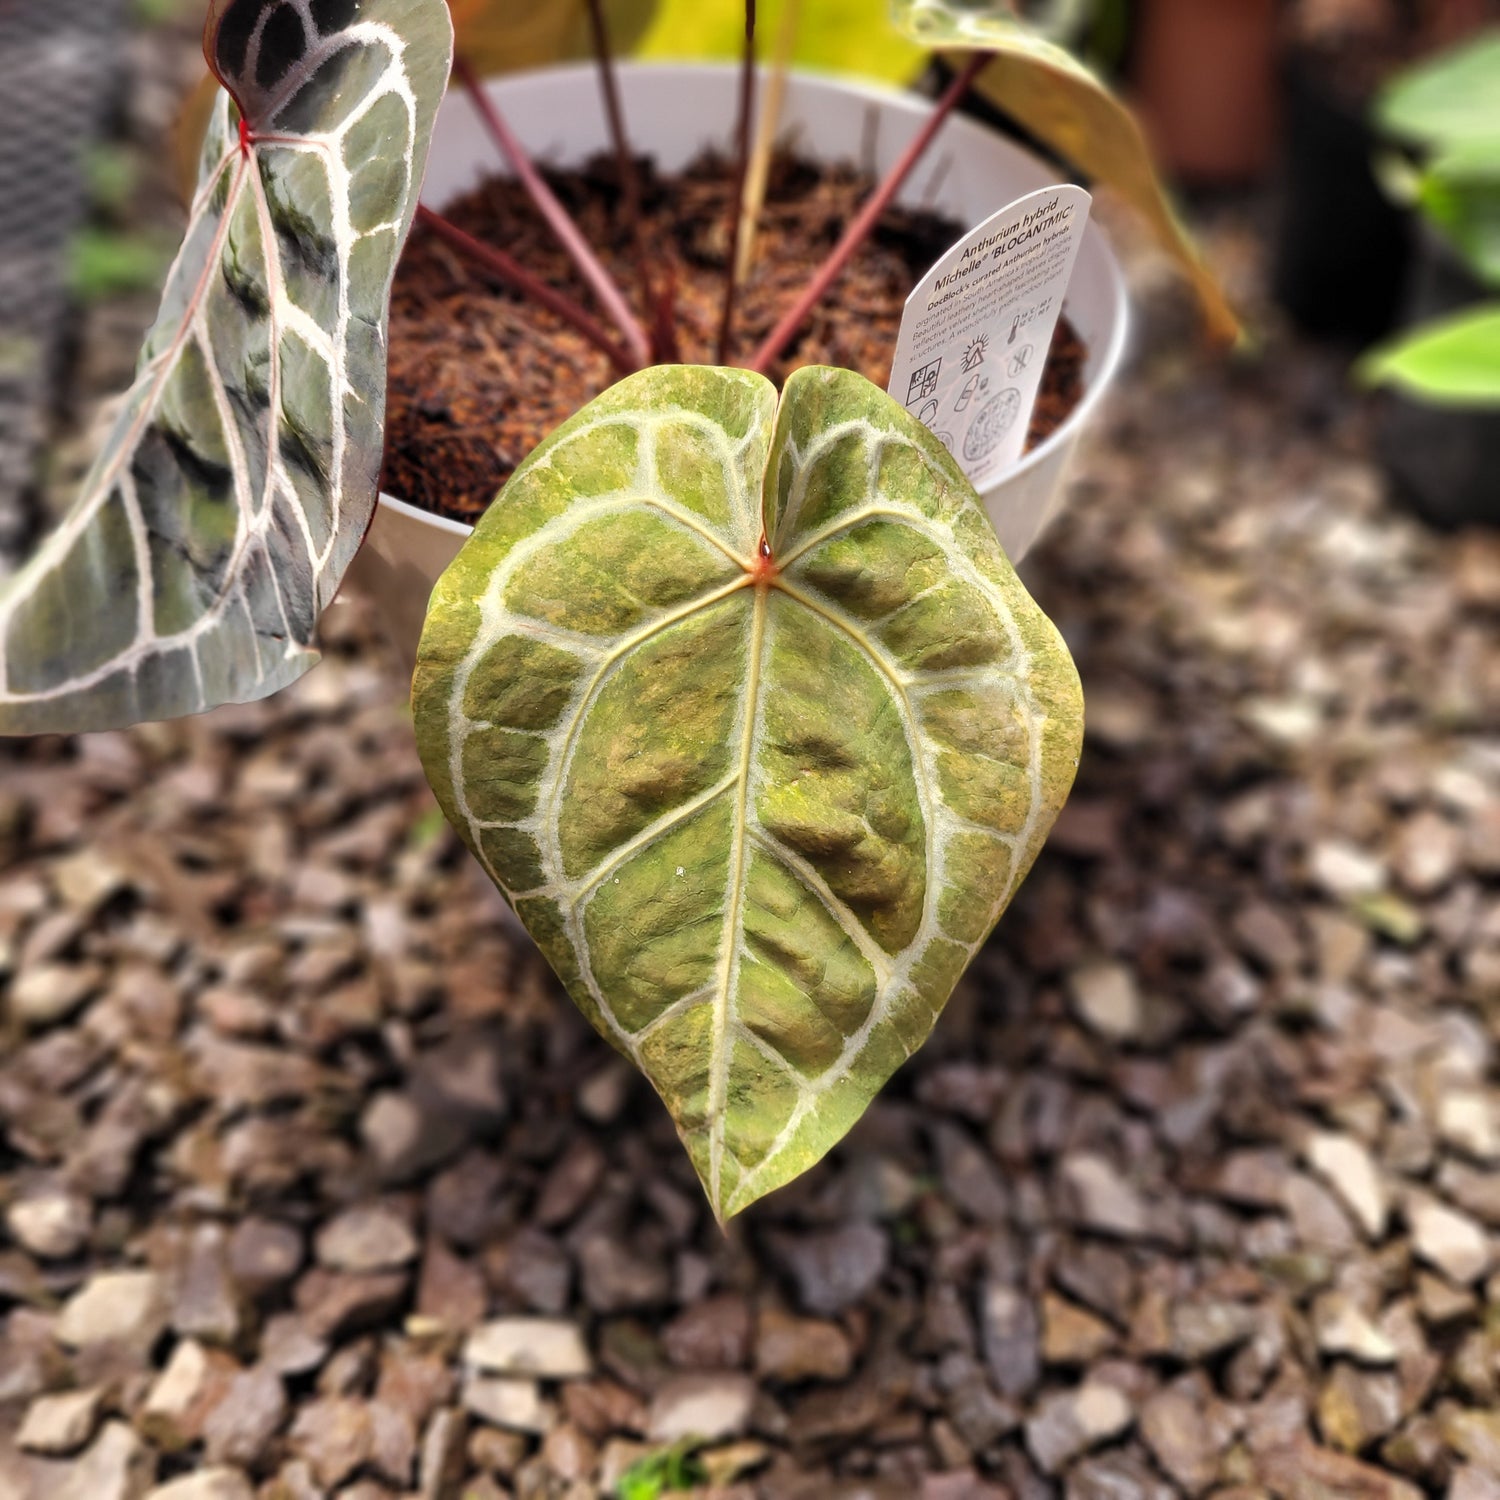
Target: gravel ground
[{"x": 314, "y": 1184}]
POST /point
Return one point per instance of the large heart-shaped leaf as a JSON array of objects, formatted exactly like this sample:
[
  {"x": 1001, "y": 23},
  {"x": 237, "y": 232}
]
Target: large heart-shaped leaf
[
  {"x": 502, "y": 36},
  {"x": 747, "y": 714},
  {"x": 1066, "y": 107},
  {"x": 241, "y": 474}
]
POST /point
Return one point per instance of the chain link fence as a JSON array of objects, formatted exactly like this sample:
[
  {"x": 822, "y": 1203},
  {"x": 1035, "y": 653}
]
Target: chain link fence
[{"x": 59, "y": 75}]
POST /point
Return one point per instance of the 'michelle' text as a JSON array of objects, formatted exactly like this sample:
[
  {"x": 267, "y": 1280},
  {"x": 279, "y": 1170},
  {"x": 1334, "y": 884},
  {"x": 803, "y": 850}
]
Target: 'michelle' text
[{"x": 1041, "y": 219}]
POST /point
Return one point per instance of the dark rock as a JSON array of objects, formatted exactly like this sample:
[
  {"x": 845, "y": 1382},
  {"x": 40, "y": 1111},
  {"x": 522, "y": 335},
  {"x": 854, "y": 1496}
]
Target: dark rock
[
  {"x": 450, "y": 1291},
  {"x": 1302, "y": 1471},
  {"x": 1203, "y": 1329},
  {"x": 534, "y": 1268},
  {"x": 204, "y": 1303},
  {"x": 1116, "y": 1476},
  {"x": 264, "y": 1254},
  {"x": 616, "y": 1280},
  {"x": 1180, "y": 1435},
  {"x": 714, "y": 1335},
  {"x": 290, "y": 1347},
  {"x": 1011, "y": 1334},
  {"x": 333, "y": 1303},
  {"x": 1071, "y": 1422},
  {"x": 569, "y": 1185},
  {"x": 248, "y": 1415},
  {"x": 1101, "y": 1198},
  {"x": 407, "y": 1135},
  {"x": 835, "y": 1268},
  {"x": 1097, "y": 1274},
  {"x": 335, "y": 1435},
  {"x": 971, "y": 1178},
  {"x": 1356, "y": 1408},
  {"x": 368, "y": 1237},
  {"x": 792, "y": 1349}
]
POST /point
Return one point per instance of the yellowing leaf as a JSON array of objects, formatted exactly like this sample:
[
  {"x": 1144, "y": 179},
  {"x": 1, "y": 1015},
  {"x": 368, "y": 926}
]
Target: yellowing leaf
[
  {"x": 1062, "y": 104},
  {"x": 838, "y": 36},
  {"x": 504, "y": 36}
]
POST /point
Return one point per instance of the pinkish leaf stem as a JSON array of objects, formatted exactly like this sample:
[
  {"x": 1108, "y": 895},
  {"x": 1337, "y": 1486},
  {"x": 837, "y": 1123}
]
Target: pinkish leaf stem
[
  {"x": 865, "y": 220},
  {"x": 564, "y": 230},
  {"x": 513, "y": 273}
]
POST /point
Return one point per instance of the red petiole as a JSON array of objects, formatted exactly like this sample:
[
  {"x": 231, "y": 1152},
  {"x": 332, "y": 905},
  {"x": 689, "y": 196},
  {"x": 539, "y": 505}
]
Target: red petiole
[
  {"x": 865, "y": 221},
  {"x": 514, "y": 274},
  {"x": 660, "y": 306},
  {"x": 564, "y": 230}
]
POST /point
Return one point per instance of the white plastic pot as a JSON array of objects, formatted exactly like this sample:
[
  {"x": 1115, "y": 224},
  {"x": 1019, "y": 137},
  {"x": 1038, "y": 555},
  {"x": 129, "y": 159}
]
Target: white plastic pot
[{"x": 672, "y": 112}]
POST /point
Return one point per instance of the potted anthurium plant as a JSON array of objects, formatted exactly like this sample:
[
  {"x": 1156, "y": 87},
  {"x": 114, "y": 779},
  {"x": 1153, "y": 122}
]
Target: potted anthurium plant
[
  {"x": 733, "y": 690},
  {"x": 1441, "y": 430},
  {"x": 446, "y": 452}
]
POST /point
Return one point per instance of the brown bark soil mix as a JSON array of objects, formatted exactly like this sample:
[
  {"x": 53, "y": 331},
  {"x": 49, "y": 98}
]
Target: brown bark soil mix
[{"x": 479, "y": 375}]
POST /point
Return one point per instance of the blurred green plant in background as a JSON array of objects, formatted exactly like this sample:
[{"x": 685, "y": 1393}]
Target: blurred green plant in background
[
  {"x": 657, "y": 1474},
  {"x": 1447, "y": 113},
  {"x": 107, "y": 259}
]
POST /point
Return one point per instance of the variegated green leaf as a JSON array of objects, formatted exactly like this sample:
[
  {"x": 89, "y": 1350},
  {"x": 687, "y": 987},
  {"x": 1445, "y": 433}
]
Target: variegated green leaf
[
  {"x": 241, "y": 474},
  {"x": 1060, "y": 102},
  {"x": 747, "y": 714}
]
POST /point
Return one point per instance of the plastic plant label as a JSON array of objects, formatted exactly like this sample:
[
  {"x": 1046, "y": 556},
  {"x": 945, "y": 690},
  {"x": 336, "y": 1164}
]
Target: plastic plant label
[{"x": 975, "y": 333}]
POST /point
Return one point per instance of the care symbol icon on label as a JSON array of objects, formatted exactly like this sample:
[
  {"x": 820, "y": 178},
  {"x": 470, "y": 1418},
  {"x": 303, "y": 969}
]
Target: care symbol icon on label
[
  {"x": 924, "y": 381},
  {"x": 1020, "y": 360},
  {"x": 974, "y": 354},
  {"x": 972, "y": 387}
]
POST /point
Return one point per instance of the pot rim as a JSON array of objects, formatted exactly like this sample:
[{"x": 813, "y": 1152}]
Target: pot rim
[{"x": 904, "y": 102}]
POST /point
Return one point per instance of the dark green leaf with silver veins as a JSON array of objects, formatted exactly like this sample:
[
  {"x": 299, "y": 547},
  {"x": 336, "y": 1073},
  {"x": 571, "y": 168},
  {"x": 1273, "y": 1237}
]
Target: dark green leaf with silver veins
[
  {"x": 745, "y": 711},
  {"x": 241, "y": 473}
]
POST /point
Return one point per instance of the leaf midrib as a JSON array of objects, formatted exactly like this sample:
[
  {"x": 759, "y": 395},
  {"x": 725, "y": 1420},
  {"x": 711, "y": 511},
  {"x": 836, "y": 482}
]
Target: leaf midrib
[
  {"x": 939, "y": 821},
  {"x": 726, "y": 992}
]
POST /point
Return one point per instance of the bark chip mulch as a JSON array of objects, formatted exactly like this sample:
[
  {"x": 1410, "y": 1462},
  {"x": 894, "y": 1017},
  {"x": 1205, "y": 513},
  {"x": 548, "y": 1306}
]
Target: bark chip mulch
[{"x": 479, "y": 375}]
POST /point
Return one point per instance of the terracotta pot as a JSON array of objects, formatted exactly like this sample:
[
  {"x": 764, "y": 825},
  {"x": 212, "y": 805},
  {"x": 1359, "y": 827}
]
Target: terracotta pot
[
  {"x": 1205, "y": 79},
  {"x": 674, "y": 111}
]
